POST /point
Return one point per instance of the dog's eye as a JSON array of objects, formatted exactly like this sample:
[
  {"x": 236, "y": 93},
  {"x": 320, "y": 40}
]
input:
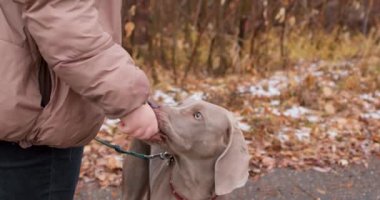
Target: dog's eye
[{"x": 197, "y": 115}]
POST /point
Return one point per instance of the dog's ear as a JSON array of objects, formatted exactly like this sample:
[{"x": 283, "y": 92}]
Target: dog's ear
[{"x": 231, "y": 168}]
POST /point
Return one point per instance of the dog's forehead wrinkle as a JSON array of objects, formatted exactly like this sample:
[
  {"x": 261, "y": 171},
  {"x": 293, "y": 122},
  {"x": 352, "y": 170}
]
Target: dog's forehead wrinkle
[
  {"x": 200, "y": 103},
  {"x": 216, "y": 121},
  {"x": 219, "y": 118}
]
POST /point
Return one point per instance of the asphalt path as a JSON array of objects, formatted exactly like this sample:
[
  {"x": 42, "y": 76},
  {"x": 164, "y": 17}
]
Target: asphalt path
[{"x": 355, "y": 182}]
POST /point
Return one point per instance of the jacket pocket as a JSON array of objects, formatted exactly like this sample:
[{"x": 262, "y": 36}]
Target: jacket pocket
[
  {"x": 68, "y": 119},
  {"x": 44, "y": 81}
]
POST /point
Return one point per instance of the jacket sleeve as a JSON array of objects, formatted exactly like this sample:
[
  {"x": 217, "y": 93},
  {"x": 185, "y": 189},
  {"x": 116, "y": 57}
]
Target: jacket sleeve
[{"x": 74, "y": 44}]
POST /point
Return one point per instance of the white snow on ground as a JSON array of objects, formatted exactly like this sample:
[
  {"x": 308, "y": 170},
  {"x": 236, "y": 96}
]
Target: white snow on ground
[
  {"x": 372, "y": 115},
  {"x": 261, "y": 92},
  {"x": 275, "y": 111},
  {"x": 296, "y": 112},
  {"x": 282, "y": 135},
  {"x": 109, "y": 124},
  {"x": 243, "y": 125},
  {"x": 332, "y": 134},
  {"x": 318, "y": 73},
  {"x": 371, "y": 97},
  {"x": 272, "y": 86},
  {"x": 339, "y": 69},
  {"x": 269, "y": 87},
  {"x": 197, "y": 96},
  {"x": 371, "y": 100},
  {"x": 303, "y": 134},
  {"x": 314, "y": 69},
  {"x": 312, "y": 118},
  {"x": 341, "y": 73},
  {"x": 377, "y": 94},
  {"x": 368, "y": 97},
  {"x": 258, "y": 110},
  {"x": 275, "y": 102},
  {"x": 166, "y": 99}
]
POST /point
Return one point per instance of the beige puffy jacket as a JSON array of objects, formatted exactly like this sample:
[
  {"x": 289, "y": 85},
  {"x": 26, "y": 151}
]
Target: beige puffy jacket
[{"x": 92, "y": 76}]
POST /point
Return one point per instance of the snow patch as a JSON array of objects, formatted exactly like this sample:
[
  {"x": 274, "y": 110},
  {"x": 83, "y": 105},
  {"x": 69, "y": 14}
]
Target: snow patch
[
  {"x": 197, "y": 96},
  {"x": 244, "y": 126},
  {"x": 275, "y": 103},
  {"x": 313, "y": 118},
  {"x": 269, "y": 87},
  {"x": 283, "y": 137},
  {"x": 109, "y": 124},
  {"x": 261, "y": 92},
  {"x": 332, "y": 134},
  {"x": 296, "y": 112},
  {"x": 275, "y": 111},
  {"x": 303, "y": 134},
  {"x": 166, "y": 99},
  {"x": 372, "y": 98},
  {"x": 372, "y": 115}
]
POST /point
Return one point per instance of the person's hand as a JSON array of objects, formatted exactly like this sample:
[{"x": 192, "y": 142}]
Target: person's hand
[{"x": 141, "y": 124}]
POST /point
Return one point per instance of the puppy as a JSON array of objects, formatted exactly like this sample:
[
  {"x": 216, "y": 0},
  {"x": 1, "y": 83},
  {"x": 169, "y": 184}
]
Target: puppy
[{"x": 209, "y": 156}]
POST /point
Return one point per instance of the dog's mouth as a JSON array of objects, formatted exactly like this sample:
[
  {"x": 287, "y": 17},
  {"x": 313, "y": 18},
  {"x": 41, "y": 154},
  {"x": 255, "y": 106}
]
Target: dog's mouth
[
  {"x": 163, "y": 125},
  {"x": 164, "y": 137},
  {"x": 169, "y": 138}
]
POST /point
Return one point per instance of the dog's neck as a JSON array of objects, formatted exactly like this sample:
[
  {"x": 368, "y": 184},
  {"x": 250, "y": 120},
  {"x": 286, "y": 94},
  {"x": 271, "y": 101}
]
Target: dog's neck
[{"x": 193, "y": 179}]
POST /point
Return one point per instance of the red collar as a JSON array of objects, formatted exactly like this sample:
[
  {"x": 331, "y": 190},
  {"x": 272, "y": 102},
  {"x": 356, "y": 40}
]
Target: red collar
[{"x": 177, "y": 195}]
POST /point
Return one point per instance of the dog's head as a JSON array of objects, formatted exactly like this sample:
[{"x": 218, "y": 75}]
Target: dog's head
[{"x": 201, "y": 130}]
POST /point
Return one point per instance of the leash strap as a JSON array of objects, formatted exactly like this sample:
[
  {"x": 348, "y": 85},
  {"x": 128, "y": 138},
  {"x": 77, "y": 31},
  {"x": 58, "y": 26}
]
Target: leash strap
[{"x": 163, "y": 155}]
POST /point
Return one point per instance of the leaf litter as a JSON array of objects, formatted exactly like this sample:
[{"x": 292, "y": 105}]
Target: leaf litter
[{"x": 313, "y": 116}]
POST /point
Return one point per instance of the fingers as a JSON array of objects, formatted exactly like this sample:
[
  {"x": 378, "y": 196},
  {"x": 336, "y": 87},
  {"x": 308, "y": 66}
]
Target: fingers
[
  {"x": 148, "y": 133},
  {"x": 141, "y": 124},
  {"x": 155, "y": 139}
]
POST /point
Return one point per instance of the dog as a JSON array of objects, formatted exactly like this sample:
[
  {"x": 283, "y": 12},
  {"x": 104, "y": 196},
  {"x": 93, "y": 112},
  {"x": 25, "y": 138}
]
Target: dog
[{"x": 209, "y": 156}]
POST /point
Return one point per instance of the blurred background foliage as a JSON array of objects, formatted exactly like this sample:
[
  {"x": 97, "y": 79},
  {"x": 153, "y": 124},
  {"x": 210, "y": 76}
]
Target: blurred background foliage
[
  {"x": 216, "y": 37},
  {"x": 301, "y": 76}
]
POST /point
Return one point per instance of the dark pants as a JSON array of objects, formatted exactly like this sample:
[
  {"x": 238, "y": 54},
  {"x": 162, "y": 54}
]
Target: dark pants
[{"x": 38, "y": 172}]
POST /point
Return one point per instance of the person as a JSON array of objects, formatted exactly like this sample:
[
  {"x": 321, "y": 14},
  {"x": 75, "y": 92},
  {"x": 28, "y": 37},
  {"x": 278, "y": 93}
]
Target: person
[{"x": 62, "y": 72}]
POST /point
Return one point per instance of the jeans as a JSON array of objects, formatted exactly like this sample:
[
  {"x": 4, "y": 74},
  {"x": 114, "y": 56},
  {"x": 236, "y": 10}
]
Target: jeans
[{"x": 38, "y": 172}]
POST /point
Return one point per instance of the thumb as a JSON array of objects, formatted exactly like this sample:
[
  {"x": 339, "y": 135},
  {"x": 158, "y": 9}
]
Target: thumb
[{"x": 155, "y": 138}]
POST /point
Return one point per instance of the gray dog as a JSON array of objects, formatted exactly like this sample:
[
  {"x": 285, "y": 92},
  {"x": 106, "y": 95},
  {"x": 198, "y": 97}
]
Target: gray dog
[{"x": 210, "y": 156}]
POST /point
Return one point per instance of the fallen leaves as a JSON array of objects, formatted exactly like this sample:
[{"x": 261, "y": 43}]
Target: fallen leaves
[
  {"x": 114, "y": 163},
  {"x": 329, "y": 108},
  {"x": 312, "y": 116},
  {"x": 268, "y": 162},
  {"x": 327, "y": 92},
  {"x": 102, "y": 164}
]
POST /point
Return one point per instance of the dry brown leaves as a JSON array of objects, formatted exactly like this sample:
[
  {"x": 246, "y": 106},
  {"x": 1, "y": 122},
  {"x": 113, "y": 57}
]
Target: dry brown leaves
[
  {"x": 315, "y": 115},
  {"x": 102, "y": 164}
]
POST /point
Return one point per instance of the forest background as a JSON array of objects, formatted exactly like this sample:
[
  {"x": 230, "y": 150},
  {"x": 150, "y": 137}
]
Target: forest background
[{"x": 302, "y": 76}]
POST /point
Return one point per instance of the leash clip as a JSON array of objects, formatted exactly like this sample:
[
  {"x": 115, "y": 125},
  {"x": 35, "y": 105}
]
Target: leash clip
[{"x": 163, "y": 156}]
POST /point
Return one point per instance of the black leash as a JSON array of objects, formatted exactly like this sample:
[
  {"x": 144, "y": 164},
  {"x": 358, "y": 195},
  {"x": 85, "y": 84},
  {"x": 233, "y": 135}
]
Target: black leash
[{"x": 163, "y": 155}]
